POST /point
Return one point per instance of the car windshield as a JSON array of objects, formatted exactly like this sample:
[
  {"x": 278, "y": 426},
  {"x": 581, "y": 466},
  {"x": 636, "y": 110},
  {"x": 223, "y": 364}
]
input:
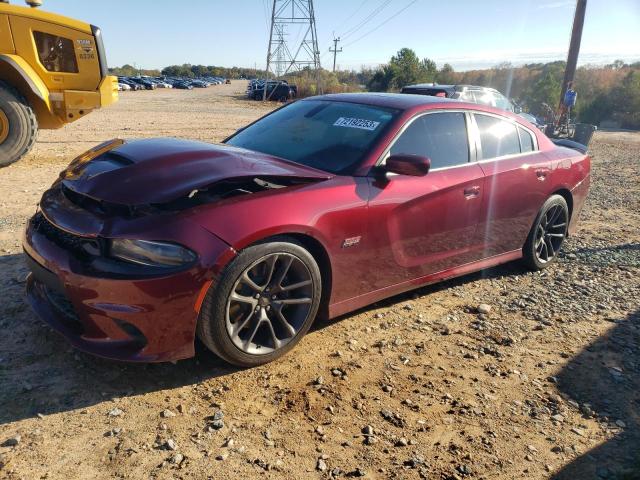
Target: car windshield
[{"x": 330, "y": 136}]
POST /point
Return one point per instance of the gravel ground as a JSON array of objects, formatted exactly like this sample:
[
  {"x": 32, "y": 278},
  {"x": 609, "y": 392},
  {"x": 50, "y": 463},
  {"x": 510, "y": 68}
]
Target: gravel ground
[{"x": 503, "y": 374}]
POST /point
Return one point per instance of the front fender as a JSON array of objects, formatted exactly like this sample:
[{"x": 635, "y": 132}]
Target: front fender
[{"x": 15, "y": 71}]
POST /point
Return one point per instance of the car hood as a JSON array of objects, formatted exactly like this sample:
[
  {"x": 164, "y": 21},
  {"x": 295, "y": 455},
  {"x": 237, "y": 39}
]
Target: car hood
[{"x": 161, "y": 170}]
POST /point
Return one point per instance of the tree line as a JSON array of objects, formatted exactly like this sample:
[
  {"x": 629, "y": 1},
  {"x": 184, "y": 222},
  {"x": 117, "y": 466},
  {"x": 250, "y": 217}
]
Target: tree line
[
  {"x": 605, "y": 93},
  {"x": 190, "y": 71}
]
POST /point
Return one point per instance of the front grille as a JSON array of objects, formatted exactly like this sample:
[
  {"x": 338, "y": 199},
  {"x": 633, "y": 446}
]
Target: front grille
[{"x": 68, "y": 241}]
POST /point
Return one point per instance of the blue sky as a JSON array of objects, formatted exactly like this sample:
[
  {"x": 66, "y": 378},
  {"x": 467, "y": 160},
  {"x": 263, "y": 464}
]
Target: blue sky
[{"x": 466, "y": 33}]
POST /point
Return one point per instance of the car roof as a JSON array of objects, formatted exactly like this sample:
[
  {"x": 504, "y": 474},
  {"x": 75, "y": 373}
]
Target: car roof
[
  {"x": 431, "y": 85},
  {"x": 401, "y": 101},
  {"x": 458, "y": 87}
]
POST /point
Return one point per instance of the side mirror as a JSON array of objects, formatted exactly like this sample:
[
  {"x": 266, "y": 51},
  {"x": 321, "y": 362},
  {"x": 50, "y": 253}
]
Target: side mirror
[{"x": 405, "y": 164}]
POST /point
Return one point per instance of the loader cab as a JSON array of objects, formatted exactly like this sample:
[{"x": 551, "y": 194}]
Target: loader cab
[{"x": 54, "y": 64}]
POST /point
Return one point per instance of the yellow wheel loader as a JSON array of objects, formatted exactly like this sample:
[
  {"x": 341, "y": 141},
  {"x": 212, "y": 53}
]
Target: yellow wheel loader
[{"x": 53, "y": 71}]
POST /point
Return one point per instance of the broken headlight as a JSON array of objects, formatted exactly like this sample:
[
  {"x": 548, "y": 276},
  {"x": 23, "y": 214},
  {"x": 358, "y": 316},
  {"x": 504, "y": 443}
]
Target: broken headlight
[{"x": 145, "y": 252}]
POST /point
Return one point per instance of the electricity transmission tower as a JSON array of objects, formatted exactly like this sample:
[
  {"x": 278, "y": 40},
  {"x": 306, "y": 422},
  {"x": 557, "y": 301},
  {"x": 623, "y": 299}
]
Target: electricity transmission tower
[{"x": 280, "y": 59}]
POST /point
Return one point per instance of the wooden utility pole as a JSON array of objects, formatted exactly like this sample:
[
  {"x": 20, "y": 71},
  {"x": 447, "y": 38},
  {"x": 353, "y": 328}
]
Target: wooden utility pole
[
  {"x": 574, "y": 46},
  {"x": 335, "y": 51}
]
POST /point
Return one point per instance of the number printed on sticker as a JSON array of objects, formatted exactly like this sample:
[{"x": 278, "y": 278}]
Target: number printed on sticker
[{"x": 356, "y": 123}]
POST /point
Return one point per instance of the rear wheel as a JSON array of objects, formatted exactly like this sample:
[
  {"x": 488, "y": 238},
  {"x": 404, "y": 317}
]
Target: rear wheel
[
  {"x": 265, "y": 302},
  {"x": 18, "y": 126},
  {"x": 547, "y": 234}
]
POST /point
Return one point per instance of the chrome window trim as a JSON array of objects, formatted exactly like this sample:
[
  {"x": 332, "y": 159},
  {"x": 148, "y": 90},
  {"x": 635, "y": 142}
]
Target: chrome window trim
[
  {"x": 534, "y": 139},
  {"x": 473, "y": 138}
]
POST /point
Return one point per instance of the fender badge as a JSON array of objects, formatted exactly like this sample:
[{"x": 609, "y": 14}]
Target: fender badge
[{"x": 351, "y": 242}]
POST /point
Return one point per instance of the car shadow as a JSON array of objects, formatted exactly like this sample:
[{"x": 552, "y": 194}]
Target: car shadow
[
  {"x": 40, "y": 373},
  {"x": 503, "y": 270},
  {"x": 604, "y": 379}
]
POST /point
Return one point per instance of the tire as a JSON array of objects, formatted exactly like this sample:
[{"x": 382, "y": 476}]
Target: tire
[
  {"x": 18, "y": 125},
  {"x": 221, "y": 326},
  {"x": 547, "y": 234}
]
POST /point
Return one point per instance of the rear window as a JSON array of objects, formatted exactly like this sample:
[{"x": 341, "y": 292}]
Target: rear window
[
  {"x": 526, "y": 140},
  {"x": 497, "y": 137},
  {"x": 330, "y": 136}
]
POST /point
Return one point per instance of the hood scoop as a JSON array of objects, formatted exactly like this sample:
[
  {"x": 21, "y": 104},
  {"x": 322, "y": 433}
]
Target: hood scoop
[{"x": 158, "y": 171}]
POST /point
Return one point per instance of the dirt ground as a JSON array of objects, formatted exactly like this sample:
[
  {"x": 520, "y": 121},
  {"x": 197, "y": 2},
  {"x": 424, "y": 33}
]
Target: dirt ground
[{"x": 545, "y": 385}]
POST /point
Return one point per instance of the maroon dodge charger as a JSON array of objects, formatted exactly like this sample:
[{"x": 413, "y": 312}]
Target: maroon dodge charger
[{"x": 319, "y": 208}]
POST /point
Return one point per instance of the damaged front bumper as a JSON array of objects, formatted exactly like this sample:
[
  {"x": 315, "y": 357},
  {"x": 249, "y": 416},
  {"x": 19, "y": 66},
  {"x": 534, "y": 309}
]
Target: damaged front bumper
[{"x": 120, "y": 313}]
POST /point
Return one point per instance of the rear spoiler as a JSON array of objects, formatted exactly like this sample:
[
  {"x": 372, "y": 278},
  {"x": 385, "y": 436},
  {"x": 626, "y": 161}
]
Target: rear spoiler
[{"x": 563, "y": 142}]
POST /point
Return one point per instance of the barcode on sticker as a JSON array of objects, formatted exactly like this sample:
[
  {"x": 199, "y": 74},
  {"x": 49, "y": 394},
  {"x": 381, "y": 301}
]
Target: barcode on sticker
[{"x": 356, "y": 123}]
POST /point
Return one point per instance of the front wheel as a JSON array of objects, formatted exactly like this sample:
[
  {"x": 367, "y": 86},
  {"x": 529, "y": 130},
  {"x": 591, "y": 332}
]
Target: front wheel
[
  {"x": 18, "y": 125},
  {"x": 547, "y": 234},
  {"x": 264, "y": 303}
]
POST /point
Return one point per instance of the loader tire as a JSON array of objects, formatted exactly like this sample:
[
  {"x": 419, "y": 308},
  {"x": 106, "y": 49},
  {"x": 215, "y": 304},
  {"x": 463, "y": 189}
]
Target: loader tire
[{"x": 18, "y": 125}]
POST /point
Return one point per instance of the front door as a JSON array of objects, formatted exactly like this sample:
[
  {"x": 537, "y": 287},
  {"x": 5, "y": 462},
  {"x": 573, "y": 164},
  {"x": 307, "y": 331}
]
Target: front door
[{"x": 425, "y": 225}]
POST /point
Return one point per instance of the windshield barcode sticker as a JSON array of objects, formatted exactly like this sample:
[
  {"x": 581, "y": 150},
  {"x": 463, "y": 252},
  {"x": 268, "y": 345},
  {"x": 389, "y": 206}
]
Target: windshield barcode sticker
[{"x": 356, "y": 123}]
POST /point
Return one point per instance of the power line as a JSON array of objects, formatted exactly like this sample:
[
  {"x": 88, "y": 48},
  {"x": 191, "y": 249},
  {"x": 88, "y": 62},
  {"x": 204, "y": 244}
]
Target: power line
[
  {"x": 359, "y": 25},
  {"x": 367, "y": 19},
  {"x": 343, "y": 23},
  {"x": 352, "y": 15},
  {"x": 381, "y": 24},
  {"x": 266, "y": 13}
]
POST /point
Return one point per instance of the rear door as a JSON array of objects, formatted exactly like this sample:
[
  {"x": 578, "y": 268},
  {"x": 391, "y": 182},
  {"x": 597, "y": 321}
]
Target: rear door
[
  {"x": 516, "y": 177},
  {"x": 424, "y": 225}
]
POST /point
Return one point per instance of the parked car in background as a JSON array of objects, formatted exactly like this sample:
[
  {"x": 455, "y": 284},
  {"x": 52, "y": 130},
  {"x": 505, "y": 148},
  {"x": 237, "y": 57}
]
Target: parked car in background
[
  {"x": 474, "y": 94},
  {"x": 279, "y": 91},
  {"x": 183, "y": 86},
  {"x": 199, "y": 83},
  {"x": 139, "y": 246},
  {"x": 151, "y": 83},
  {"x": 534, "y": 120},
  {"x": 132, "y": 85},
  {"x": 468, "y": 93},
  {"x": 147, "y": 84}
]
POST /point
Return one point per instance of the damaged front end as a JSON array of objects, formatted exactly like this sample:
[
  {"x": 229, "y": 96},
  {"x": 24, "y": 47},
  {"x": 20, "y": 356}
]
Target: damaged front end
[
  {"x": 131, "y": 189},
  {"x": 117, "y": 235}
]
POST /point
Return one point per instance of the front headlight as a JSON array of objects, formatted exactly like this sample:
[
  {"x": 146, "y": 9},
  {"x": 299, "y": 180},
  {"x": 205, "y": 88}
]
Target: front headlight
[{"x": 157, "y": 254}]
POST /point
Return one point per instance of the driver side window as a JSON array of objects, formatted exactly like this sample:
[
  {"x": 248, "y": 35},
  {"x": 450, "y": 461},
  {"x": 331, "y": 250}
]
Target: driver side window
[{"x": 440, "y": 136}]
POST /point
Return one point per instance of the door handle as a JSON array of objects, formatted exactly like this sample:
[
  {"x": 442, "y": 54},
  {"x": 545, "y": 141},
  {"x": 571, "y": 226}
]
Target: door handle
[
  {"x": 542, "y": 173},
  {"x": 472, "y": 192}
]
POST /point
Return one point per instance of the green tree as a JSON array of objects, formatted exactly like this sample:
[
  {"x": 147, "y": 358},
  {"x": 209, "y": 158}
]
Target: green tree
[
  {"x": 406, "y": 67},
  {"x": 446, "y": 75},
  {"x": 545, "y": 90},
  {"x": 627, "y": 100}
]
